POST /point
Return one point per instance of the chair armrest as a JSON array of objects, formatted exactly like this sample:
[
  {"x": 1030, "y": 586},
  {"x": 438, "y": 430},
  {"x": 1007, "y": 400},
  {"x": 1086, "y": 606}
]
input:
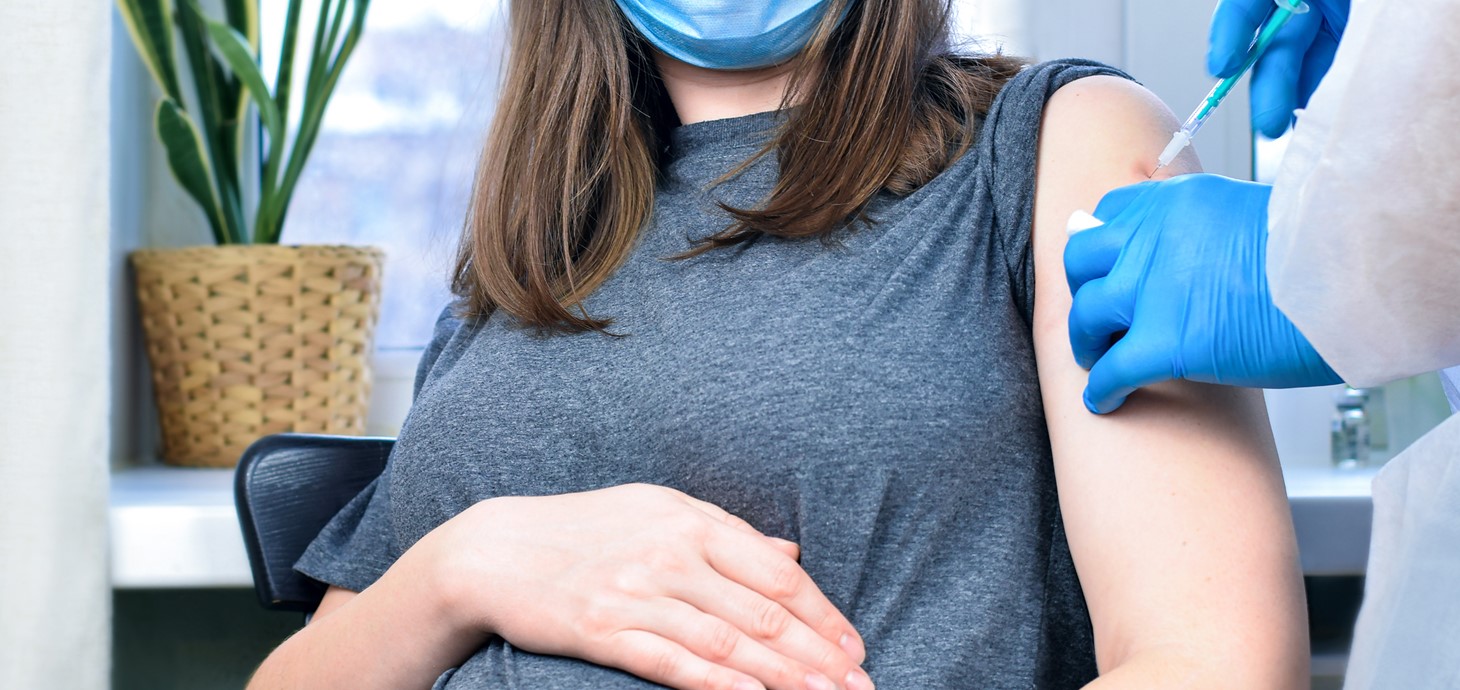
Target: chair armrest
[{"x": 287, "y": 488}]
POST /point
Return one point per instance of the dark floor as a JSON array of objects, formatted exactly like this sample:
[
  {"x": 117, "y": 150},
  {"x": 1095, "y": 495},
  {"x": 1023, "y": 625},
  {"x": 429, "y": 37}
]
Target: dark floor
[{"x": 192, "y": 639}]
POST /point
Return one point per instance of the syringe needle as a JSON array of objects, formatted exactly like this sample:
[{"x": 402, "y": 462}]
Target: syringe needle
[
  {"x": 1179, "y": 141},
  {"x": 1265, "y": 35}
]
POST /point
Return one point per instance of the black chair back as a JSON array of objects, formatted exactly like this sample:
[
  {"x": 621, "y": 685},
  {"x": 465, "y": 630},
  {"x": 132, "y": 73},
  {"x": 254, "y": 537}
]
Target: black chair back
[{"x": 287, "y": 488}]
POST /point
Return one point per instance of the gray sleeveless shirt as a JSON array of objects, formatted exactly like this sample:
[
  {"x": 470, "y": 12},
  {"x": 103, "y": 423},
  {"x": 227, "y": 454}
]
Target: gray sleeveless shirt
[{"x": 873, "y": 399}]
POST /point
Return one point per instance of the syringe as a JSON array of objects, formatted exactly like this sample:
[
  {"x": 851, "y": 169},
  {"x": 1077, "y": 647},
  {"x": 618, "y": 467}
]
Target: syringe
[{"x": 1275, "y": 21}]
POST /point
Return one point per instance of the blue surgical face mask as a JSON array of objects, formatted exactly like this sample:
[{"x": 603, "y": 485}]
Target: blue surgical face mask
[{"x": 726, "y": 34}]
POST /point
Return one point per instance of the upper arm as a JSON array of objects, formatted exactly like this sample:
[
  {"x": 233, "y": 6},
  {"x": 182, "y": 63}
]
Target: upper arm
[{"x": 1174, "y": 506}]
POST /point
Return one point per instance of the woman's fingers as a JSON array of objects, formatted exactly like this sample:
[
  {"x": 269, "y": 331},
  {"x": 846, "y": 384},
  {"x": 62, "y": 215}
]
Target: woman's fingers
[
  {"x": 768, "y": 599},
  {"x": 790, "y": 548},
  {"x": 786, "y": 546},
  {"x": 719, "y": 514},
  {"x": 657, "y": 659},
  {"x": 745, "y": 560},
  {"x": 770, "y": 625},
  {"x": 710, "y": 637}
]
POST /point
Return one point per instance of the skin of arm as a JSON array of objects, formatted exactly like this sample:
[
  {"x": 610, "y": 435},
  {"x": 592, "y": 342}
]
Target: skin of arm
[
  {"x": 405, "y": 612},
  {"x": 1174, "y": 507}
]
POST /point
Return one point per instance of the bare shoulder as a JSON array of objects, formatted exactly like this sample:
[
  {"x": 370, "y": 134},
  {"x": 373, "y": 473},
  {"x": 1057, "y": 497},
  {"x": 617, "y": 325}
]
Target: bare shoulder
[
  {"x": 1107, "y": 124},
  {"x": 1106, "y": 98},
  {"x": 1097, "y": 134}
]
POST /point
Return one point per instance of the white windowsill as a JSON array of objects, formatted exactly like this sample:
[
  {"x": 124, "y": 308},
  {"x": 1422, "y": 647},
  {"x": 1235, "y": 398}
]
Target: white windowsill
[{"x": 174, "y": 527}]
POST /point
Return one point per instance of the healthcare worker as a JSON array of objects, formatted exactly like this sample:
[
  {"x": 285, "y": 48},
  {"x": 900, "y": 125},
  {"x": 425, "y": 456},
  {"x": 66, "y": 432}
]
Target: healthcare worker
[{"x": 1348, "y": 268}]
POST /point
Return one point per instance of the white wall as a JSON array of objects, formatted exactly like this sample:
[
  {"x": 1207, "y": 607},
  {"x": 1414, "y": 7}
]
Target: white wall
[{"x": 1163, "y": 45}]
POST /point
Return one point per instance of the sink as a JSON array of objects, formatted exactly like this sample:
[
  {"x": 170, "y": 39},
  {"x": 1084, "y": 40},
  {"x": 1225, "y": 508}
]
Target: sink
[{"x": 1332, "y": 513}]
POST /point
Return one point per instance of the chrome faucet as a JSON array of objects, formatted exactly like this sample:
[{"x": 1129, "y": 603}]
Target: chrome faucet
[{"x": 1350, "y": 440}]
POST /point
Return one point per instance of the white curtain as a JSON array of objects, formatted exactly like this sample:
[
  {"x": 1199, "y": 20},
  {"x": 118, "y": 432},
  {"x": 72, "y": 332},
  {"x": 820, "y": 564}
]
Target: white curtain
[{"x": 55, "y": 599}]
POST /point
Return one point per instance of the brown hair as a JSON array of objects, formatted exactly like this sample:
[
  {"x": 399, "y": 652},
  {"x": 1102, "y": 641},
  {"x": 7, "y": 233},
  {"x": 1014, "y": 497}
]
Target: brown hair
[{"x": 566, "y": 180}]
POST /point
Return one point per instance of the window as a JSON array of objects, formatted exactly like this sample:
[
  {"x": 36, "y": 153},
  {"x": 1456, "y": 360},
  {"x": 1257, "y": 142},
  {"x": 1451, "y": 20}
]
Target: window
[{"x": 394, "y": 160}]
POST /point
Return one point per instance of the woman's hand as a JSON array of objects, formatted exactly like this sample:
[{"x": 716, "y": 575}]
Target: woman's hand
[{"x": 651, "y": 581}]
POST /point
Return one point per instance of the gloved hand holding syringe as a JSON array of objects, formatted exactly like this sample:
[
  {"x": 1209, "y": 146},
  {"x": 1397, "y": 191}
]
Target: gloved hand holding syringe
[{"x": 1284, "y": 10}]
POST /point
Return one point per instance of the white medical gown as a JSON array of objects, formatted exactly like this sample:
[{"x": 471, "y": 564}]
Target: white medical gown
[{"x": 1364, "y": 256}]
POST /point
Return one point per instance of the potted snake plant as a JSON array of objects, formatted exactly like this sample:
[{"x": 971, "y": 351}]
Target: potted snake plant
[{"x": 247, "y": 337}]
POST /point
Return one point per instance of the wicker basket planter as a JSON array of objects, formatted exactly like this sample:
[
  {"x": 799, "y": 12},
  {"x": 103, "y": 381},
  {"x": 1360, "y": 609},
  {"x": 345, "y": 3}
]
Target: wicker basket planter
[{"x": 247, "y": 341}]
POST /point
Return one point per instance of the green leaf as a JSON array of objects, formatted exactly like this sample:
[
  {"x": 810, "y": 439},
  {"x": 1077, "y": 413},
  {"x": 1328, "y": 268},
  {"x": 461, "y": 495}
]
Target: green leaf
[
  {"x": 148, "y": 21},
  {"x": 335, "y": 24},
  {"x": 188, "y": 162},
  {"x": 284, "y": 83},
  {"x": 326, "y": 67},
  {"x": 316, "y": 63},
  {"x": 241, "y": 60},
  {"x": 283, "y": 87},
  {"x": 218, "y": 97},
  {"x": 234, "y": 48},
  {"x": 243, "y": 17}
]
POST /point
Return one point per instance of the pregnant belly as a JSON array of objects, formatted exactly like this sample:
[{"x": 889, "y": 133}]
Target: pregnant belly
[{"x": 500, "y": 666}]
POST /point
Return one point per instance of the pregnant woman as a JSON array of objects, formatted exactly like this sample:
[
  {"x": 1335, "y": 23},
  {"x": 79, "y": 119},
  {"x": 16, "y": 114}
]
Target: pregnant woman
[{"x": 759, "y": 377}]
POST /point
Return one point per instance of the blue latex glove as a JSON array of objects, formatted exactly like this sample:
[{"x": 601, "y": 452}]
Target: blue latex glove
[
  {"x": 1174, "y": 286},
  {"x": 1290, "y": 70}
]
